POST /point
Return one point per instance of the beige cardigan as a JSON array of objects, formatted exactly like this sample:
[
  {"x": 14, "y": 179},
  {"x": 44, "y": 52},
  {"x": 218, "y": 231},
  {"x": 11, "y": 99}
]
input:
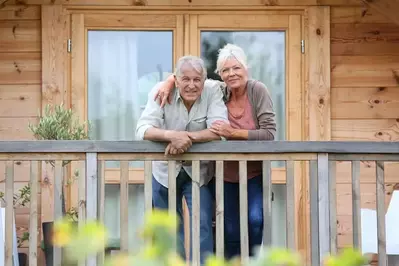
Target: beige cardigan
[{"x": 262, "y": 109}]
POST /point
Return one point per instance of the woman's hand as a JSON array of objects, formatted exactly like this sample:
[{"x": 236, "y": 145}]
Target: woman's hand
[
  {"x": 164, "y": 92},
  {"x": 222, "y": 128}
]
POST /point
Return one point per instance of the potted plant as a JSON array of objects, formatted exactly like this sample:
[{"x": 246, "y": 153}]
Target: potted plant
[
  {"x": 57, "y": 123},
  {"x": 20, "y": 199}
]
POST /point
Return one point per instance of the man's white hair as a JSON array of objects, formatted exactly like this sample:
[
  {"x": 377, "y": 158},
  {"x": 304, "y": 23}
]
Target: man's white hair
[
  {"x": 193, "y": 61},
  {"x": 230, "y": 51}
]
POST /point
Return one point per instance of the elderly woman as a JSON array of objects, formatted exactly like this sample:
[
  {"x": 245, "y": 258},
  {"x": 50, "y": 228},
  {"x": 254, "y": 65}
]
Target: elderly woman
[{"x": 251, "y": 117}]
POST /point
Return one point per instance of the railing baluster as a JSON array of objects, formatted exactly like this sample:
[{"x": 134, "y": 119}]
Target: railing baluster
[
  {"x": 33, "y": 215},
  {"x": 82, "y": 194},
  {"x": 290, "y": 205},
  {"x": 333, "y": 207},
  {"x": 91, "y": 194},
  {"x": 172, "y": 189},
  {"x": 380, "y": 186},
  {"x": 148, "y": 185},
  {"x": 267, "y": 203},
  {"x": 243, "y": 183},
  {"x": 124, "y": 209},
  {"x": 196, "y": 212},
  {"x": 58, "y": 187},
  {"x": 219, "y": 209},
  {"x": 101, "y": 204},
  {"x": 324, "y": 205},
  {"x": 9, "y": 213},
  {"x": 314, "y": 214},
  {"x": 82, "y": 198},
  {"x": 357, "y": 237}
]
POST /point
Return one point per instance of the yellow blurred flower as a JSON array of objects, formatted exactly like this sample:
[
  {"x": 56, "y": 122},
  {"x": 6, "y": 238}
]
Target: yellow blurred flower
[
  {"x": 119, "y": 260},
  {"x": 162, "y": 219},
  {"x": 151, "y": 252},
  {"x": 62, "y": 233},
  {"x": 175, "y": 260},
  {"x": 284, "y": 257},
  {"x": 215, "y": 261}
]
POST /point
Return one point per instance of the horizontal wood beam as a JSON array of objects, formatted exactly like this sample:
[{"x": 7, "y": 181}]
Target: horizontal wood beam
[
  {"x": 387, "y": 8},
  {"x": 250, "y": 147}
]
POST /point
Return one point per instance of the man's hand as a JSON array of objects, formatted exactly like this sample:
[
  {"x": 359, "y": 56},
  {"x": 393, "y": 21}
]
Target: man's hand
[{"x": 180, "y": 142}]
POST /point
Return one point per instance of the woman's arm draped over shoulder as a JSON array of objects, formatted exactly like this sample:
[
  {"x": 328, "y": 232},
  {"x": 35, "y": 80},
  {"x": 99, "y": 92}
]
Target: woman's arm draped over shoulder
[{"x": 264, "y": 113}]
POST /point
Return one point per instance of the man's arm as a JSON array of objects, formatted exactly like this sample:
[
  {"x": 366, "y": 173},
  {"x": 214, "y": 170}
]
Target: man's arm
[
  {"x": 217, "y": 110},
  {"x": 151, "y": 120},
  {"x": 203, "y": 136}
]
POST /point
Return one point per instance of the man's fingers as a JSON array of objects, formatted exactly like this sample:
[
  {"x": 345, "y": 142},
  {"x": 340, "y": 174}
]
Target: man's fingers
[{"x": 167, "y": 149}]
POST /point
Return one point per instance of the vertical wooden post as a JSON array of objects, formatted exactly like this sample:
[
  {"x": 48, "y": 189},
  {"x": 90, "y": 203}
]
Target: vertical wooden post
[
  {"x": 317, "y": 54},
  {"x": 54, "y": 84},
  {"x": 91, "y": 194}
]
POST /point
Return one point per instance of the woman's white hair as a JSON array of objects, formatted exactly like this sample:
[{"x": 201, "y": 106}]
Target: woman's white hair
[{"x": 230, "y": 51}]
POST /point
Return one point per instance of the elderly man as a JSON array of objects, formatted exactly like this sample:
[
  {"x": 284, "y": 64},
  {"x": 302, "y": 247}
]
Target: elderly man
[{"x": 186, "y": 120}]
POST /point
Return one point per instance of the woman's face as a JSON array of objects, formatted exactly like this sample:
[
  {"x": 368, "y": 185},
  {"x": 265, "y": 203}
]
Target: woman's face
[{"x": 234, "y": 74}]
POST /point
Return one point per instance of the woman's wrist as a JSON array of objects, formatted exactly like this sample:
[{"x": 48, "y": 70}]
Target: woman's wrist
[{"x": 240, "y": 134}]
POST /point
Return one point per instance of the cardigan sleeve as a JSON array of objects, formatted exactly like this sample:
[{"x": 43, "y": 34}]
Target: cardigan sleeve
[{"x": 265, "y": 115}]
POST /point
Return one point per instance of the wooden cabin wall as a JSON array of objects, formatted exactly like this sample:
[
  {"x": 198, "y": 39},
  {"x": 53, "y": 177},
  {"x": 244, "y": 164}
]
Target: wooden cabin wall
[
  {"x": 364, "y": 99},
  {"x": 20, "y": 90},
  {"x": 364, "y": 85}
]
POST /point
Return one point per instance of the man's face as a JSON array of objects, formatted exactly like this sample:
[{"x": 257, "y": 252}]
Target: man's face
[{"x": 190, "y": 84}]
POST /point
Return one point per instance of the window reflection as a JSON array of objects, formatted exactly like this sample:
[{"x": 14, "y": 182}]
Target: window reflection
[
  {"x": 265, "y": 54},
  {"x": 123, "y": 66}
]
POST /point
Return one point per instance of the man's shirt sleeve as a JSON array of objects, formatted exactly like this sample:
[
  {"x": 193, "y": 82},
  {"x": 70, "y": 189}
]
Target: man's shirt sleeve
[
  {"x": 152, "y": 116},
  {"x": 217, "y": 109}
]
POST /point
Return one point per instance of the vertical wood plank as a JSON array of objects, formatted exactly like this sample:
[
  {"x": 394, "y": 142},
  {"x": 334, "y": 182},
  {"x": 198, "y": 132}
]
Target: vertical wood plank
[
  {"x": 148, "y": 185},
  {"x": 296, "y": 121},
  {"x": 324, "y": 205},
  {"x": 196, "y": 212},
  {"x": 319, "y": 73},
  {"x": 54, "y": 71},
  {"x": 101, "y": 204},
  {"x": 243, "y": 192},
  {"x": 186, "y": 35},
  {"x": 290, "y": 205},
  {"x": 219, "y": 209},
  {"x": 179, "y": 38},
  {"x": 91, "y": 195},
  {"x": 267, "y": 203},
  {"x": 9, "y": 240},
  {"x": 54, "y": 32},
  {"x": 81, "y": 198},
  {"x": 333, "y": 207},
  {"x": 124, "y": 222},
  {"x": 317, "y": 48},
  {"x": 357, "y": 237},
  {"x": 172, "y": 189},
  {"x": 314, "y": 215},
  {"x": 58, "y": 213},
  {"x": 33, "y": 214},
  {"x": 194, "y": 36},
  {"x": 82, "y": 194},
  {"x": 380, "y": 187}
]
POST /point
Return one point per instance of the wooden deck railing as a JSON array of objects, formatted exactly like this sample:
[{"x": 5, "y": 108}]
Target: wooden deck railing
[{"x": 321, "y": 157}]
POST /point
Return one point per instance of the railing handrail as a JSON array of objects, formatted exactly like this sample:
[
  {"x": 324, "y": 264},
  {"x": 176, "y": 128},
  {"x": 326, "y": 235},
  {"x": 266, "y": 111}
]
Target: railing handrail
[{"x": 100, "y": 146}]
